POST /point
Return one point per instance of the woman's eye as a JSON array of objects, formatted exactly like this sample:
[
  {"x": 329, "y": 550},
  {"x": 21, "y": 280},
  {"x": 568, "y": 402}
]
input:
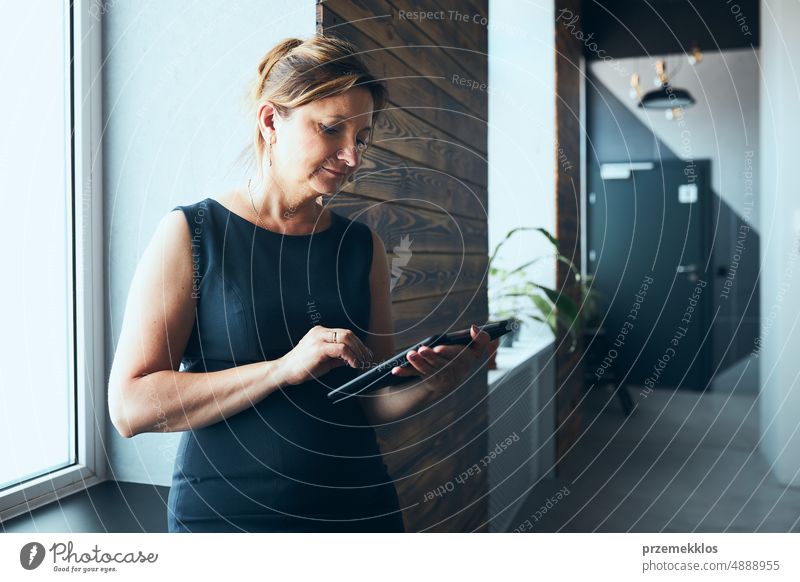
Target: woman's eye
[{"x": 361, "y": 145}]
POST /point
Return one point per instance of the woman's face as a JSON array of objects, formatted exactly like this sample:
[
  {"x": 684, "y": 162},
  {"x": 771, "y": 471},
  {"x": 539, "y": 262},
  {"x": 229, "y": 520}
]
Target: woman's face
[{"x": 320, "y": 144}]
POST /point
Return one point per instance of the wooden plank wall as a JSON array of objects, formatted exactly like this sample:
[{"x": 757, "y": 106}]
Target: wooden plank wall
[
  {"x": 569, "y": 370},
  {"x": 422, "y": 187}
]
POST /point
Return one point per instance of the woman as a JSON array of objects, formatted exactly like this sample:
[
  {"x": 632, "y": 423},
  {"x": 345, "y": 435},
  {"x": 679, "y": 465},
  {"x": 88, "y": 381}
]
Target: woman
[{"x": 269, "y": 300}]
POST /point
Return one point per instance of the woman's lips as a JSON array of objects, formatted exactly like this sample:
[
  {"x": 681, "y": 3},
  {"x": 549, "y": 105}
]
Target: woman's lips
[{"x": 333, "y": 172}]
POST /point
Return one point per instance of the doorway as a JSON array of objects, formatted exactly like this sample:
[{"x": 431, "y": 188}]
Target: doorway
[{"x": 648, "y": 250}]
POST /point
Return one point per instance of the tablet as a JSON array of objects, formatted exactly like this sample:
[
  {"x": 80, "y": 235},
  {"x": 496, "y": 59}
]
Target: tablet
[{"x": 381, "y": 374}]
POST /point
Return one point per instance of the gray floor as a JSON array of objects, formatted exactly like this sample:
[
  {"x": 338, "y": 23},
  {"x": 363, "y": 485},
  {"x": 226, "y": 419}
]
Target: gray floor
[
  {"x": 682, "y": 462},
  {"x": 741, "y": 378}
]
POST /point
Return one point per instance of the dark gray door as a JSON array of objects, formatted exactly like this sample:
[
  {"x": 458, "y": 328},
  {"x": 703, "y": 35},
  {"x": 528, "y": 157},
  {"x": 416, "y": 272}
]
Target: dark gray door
[{"x": 648, "y": 225}]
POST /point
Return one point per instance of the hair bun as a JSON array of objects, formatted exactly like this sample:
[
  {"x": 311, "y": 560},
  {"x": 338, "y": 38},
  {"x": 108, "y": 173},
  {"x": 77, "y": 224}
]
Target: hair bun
[{"x": 275, "y": 54}]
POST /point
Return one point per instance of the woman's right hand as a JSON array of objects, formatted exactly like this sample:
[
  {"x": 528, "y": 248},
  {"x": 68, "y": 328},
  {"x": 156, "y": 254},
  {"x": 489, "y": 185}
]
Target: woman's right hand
[{"x": 316, "y": 354}]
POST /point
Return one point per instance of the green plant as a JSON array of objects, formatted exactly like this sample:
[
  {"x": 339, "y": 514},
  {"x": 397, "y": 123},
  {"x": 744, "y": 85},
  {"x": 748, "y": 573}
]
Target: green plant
[{"x": 512, "y": 294}]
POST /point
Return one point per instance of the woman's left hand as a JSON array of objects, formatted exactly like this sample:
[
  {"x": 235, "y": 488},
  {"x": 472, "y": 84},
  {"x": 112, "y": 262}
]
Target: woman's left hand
[{"x": 445, "y": 367}]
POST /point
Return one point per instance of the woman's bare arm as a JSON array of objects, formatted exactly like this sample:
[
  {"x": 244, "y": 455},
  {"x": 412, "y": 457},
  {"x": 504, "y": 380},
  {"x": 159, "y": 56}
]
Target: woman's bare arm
[
  {"x": 390, "y": 403},
  {"x": 146, "y": 393}
]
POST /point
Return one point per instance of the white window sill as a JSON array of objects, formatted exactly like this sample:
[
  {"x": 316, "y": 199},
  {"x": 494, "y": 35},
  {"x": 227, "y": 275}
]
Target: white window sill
[
  {"x": 45, "y": 489},
  {"x": 509, "y": 358}
]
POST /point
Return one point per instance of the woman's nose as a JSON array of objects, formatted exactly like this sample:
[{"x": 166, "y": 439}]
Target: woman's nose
[{"x": 349, "y": 155}]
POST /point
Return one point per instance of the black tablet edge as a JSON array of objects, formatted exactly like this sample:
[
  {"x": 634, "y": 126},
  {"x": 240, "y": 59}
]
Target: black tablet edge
[{"x": 505, "y": 325}]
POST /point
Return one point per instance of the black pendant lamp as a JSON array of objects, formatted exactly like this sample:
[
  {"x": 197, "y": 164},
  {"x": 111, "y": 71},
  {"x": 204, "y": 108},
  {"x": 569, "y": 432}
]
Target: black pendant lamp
[{"x": 666, "y": 96}]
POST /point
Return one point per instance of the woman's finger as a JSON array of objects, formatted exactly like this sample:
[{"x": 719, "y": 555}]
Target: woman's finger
[
  {"x": 359, "y": 347},
  {"x": 350, "y": 339},
  {"x": 446, "y": 371},
  {"x": 448, "y": 352},
  {"x": 479, "y": 335},
  {"x": 343, "y": 352},
  {"x": 432, "y": 357},
  {"x": 404, "y": 372},
  {"x": 419, "y": 363},
  {"x": 368, "y": 355},
  {"x": 454, "y": 351},
  {"x": 346, "y": 353},
  {"x": 427, "y": 361},
  {"x": 480, "y": 341}
]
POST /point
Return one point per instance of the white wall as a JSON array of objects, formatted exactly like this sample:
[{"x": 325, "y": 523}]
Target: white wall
[
  {"x": 721, "y": 126},
  {"x": 175, "y": 78},
  {"x": 780, "y": 227},
  {"x": 522, "y": 133}
]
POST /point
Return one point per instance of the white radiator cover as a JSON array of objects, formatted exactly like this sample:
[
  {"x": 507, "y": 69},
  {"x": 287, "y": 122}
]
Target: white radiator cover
[{"x": 521, "y": 443}]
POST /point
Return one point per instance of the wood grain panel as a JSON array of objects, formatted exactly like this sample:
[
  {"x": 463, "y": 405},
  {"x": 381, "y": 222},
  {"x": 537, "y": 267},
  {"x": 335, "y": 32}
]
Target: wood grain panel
[
  {"x": 433, "y": 57},
  {"x": 441, "y": 420},
  {"x": 407, "y": 438},
  {"x": 569, "y": 374},
  {"x": 462, "y": 23},
  {"x": 434, "y": 449},
  {"x": 417, "y": 319},
  {"x": 384, "y": 175},
  {"x": 423, "y": 185},
  {"x": 433, "y": 232},
  {"x": 411, "y": 138},
  {"x": 425, "y": 97},
  {"x": 462, "y": 33},
  {"x": 436, "y": 274}
]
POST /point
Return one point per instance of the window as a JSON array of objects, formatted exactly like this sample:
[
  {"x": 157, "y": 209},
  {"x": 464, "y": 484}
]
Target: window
[
  {"x": 522, "y": 164},
  {"x": 47, "y": 338}
]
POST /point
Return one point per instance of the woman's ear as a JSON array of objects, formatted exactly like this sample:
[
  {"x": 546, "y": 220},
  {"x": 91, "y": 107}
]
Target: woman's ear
[{"x": 266, "y": 121}]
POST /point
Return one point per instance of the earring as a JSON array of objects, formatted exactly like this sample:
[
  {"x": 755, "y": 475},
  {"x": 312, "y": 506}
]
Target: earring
[{"x": 269, "y": 153}]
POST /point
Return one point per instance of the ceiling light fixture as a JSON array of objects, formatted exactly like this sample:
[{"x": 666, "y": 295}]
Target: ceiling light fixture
[
  {"x": 672, "y": 100},
  {"x": 696, "y": 57},
  {"x": 666, "y": 96}
]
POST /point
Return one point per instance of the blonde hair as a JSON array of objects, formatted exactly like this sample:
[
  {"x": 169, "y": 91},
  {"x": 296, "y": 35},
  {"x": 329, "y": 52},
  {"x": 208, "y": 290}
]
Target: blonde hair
[{"x": 296, "y": 72}]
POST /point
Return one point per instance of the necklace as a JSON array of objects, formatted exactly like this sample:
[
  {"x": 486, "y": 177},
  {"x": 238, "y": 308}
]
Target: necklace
[
  {"x": 258, "y": 214},
  {"x": 250, "y": 192}
]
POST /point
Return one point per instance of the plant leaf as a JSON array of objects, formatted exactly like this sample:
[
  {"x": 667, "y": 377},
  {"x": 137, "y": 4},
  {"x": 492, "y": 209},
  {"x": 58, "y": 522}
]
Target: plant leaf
[
  {"x": 548, "y": 311},
  {"x": 564, "y": 304},
  {"x": 553, "y": 240}
]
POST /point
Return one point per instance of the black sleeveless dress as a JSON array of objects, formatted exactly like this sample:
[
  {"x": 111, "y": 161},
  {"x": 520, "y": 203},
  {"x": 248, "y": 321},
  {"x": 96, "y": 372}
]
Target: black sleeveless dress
[{"x": 294, "y": 461}]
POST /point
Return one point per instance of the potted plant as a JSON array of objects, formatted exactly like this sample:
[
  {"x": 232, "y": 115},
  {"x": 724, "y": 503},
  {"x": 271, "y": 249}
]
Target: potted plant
[{"x": 512, "y": 294}]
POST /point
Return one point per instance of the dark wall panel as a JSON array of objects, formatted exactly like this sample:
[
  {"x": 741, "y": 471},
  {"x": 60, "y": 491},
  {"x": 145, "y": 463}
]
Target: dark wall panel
[{"x": 423, "y": 184}]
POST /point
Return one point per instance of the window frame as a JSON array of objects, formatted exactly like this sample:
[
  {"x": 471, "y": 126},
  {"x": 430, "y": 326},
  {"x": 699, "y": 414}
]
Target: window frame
[{"x": 85, "y": 229}]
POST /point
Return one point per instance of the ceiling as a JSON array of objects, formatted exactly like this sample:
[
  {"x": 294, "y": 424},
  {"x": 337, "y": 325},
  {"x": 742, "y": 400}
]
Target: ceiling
[{"x": 632, "y": 28}]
